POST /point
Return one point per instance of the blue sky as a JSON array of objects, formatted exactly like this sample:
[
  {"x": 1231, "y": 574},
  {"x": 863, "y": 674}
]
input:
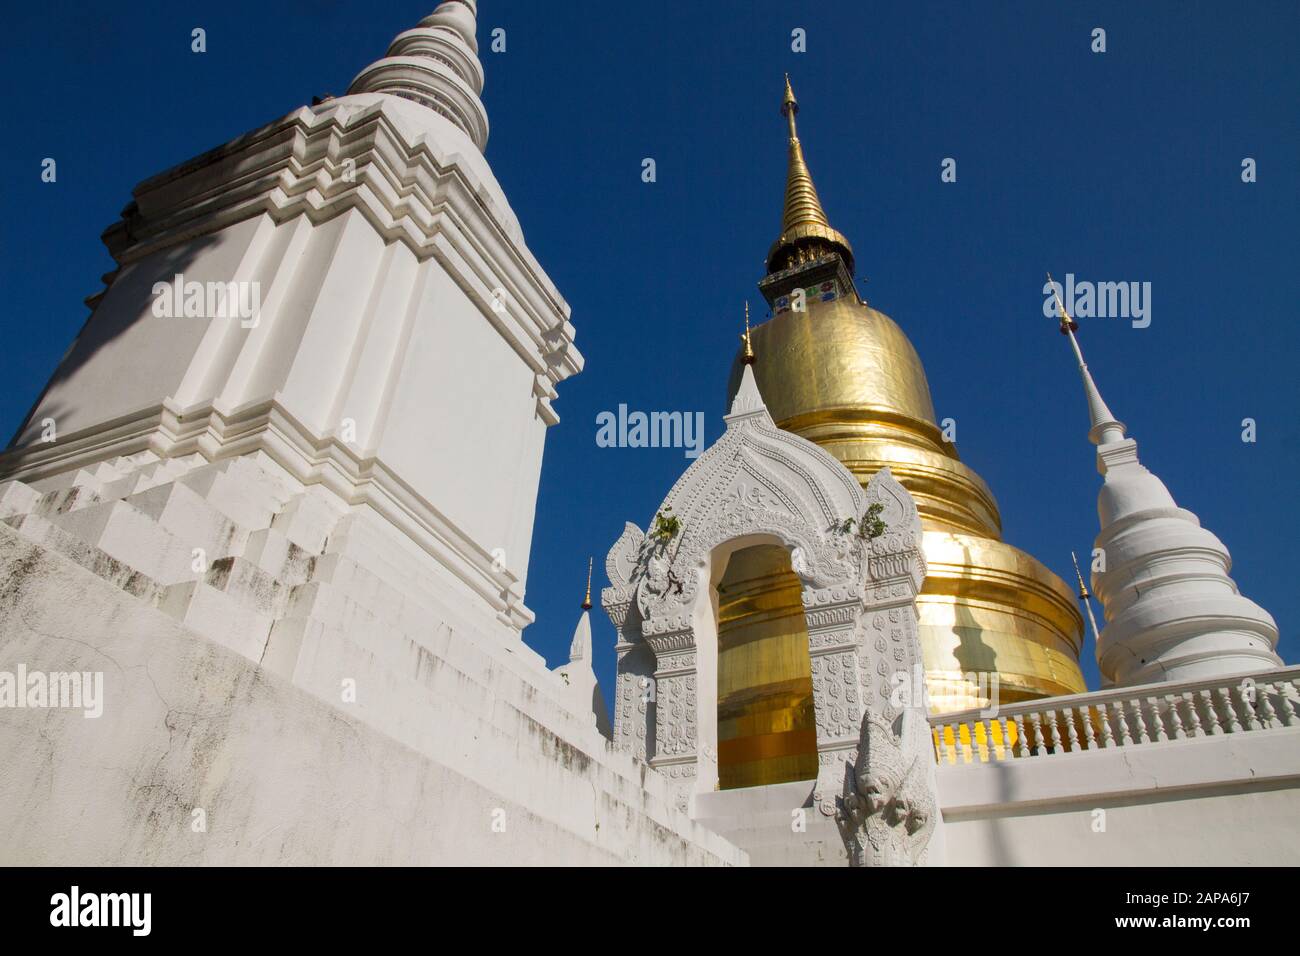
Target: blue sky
[{"x": 1121, "y": 166}]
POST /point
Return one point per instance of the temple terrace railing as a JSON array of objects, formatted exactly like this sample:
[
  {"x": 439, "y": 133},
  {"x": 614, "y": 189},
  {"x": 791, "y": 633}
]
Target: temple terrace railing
[{"x": 1121, "y": 717}]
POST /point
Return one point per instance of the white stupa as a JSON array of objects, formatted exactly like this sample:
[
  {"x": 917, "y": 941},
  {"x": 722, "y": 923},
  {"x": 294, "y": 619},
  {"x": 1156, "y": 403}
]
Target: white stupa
[
  {"x": 1172, "y": 611},
  {"x": 315, "y": 508}
]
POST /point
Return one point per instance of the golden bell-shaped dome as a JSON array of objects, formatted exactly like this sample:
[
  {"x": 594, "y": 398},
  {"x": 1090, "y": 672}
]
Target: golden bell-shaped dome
[{"x": 845, "y": 376}]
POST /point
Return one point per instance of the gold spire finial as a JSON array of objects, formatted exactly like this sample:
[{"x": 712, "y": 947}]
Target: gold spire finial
[
  {"x": 804, "y": 225},
  {"x": 1083, "y": 588},
  {"x": 586, "y": 602},
  {"x": 747, "y": 356},
  {"x": 789, "y": 105},
  {"x": 802, "y": 204},
  {"x": 1068, "y": 324},
  {"x": 1084, "y": 595}
]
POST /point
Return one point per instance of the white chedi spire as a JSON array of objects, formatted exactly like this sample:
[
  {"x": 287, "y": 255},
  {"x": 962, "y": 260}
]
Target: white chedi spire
[
  {"x": 1106, "y": 428},
  {"x": 579, "y": 675},
  {"x": 436, "y": 65},
  {"x": 1172, "y": 611},
  {"x": 580, "y": 646},
  {"x": 747, "y": 400}
]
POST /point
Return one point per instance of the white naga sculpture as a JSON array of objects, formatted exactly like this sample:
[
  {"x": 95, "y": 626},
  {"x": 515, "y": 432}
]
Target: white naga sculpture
[{"x": 889, "y": 810}]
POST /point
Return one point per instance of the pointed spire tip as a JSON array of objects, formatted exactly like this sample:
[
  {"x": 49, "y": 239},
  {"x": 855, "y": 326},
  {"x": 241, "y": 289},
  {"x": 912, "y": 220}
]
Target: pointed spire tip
[
  {"x": 805, "y": 230},
  {"x": 1083, "y": 588},
  {"x": 747, "y": 356},
  {"x": 1083, "y": 598},
  {"x": 747, "y": 399},
  {"x": 1105, "y": 427},
  {"x": 1068, "y": 324}
]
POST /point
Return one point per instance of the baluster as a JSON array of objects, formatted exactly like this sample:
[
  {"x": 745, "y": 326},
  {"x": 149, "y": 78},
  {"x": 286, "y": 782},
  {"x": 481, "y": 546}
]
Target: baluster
[
  {"x": 1286, "y": 703},
  {"x": 1004, "y": 749},
  {"x": 961, "y": 744},
  {"x": 1247, "y": 706},
  {"x": 1022, "y": 738},
  {"x": 1039, "y": 747},
  {"x": 1121, "y": 724},
  {"x": 1143, "y": 736},
  {"x": 1211, "y": 714},
  {"x": 1230, "y": 708},
  {"x": 1107, "y": 733},
  {"x": 1264, "y": 693},
  {"x": 1071, "y": 730},
  {"x": 1252, "y": 705},
  {"x": 1158, "y": 719},
  {"x": 1175, "y": 718},
  {"x": 1191, "y": 712},
  {"x": 1089, "y": 734},
  {"x": 1056, "y": 732}
]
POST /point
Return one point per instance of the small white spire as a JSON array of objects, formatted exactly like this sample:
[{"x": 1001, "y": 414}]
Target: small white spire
[
  {"x": 436, "y": 65},
  {"x": 1106, "y": 428},
  {"x": 748, "y": 399},
  {"x": 458, "y": 15},
  {"x": 578, "y": 677},
  {"x": 1172, "y": 611},
  {"x": 580, "y": 646}
]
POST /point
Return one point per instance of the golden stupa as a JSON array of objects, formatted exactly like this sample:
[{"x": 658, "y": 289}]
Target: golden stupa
[{"x": 843, "y": 375}]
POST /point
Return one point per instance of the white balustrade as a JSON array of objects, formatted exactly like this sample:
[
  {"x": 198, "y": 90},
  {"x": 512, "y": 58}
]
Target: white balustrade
[{"x": 1122, "y": 717}]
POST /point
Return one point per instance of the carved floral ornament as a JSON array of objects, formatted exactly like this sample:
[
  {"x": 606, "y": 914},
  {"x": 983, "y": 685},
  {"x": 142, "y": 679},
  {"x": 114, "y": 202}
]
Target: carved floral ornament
[
  {"x": 755, "y": 481},
  {"x": 758, "y": 481}
]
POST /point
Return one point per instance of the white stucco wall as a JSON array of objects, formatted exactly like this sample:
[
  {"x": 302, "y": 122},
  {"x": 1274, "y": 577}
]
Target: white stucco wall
[
  {"x": 126, "y": 358},
  {"x": 1229, "y": 800},
  {"x": 1249, "y": 826},
  {"x": 283, "y": 776}
]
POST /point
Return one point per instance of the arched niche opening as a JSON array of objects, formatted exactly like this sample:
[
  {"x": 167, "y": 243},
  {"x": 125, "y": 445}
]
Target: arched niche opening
[{"x": 766, "y": 727}]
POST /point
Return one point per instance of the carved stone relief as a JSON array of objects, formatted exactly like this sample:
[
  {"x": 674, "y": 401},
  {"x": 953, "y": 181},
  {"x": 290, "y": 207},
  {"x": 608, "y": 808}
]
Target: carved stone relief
[{"x": 758, "y": 483}]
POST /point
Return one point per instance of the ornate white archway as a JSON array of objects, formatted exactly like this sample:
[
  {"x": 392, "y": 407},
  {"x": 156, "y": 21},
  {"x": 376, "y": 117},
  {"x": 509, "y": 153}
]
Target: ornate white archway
[{"x": 759, "y": 484}]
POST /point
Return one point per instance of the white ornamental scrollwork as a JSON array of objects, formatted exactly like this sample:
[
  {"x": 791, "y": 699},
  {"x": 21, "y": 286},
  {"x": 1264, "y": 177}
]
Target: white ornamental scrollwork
[
  {"x": 757, "y": 480},
  {"x": 758, "y": 483}
]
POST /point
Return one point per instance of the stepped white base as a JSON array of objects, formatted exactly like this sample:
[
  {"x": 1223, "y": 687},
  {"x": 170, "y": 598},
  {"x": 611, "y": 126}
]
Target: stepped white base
[
  {"x": 295, "y": 669},
  {"x": 777, "y": 825}
]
